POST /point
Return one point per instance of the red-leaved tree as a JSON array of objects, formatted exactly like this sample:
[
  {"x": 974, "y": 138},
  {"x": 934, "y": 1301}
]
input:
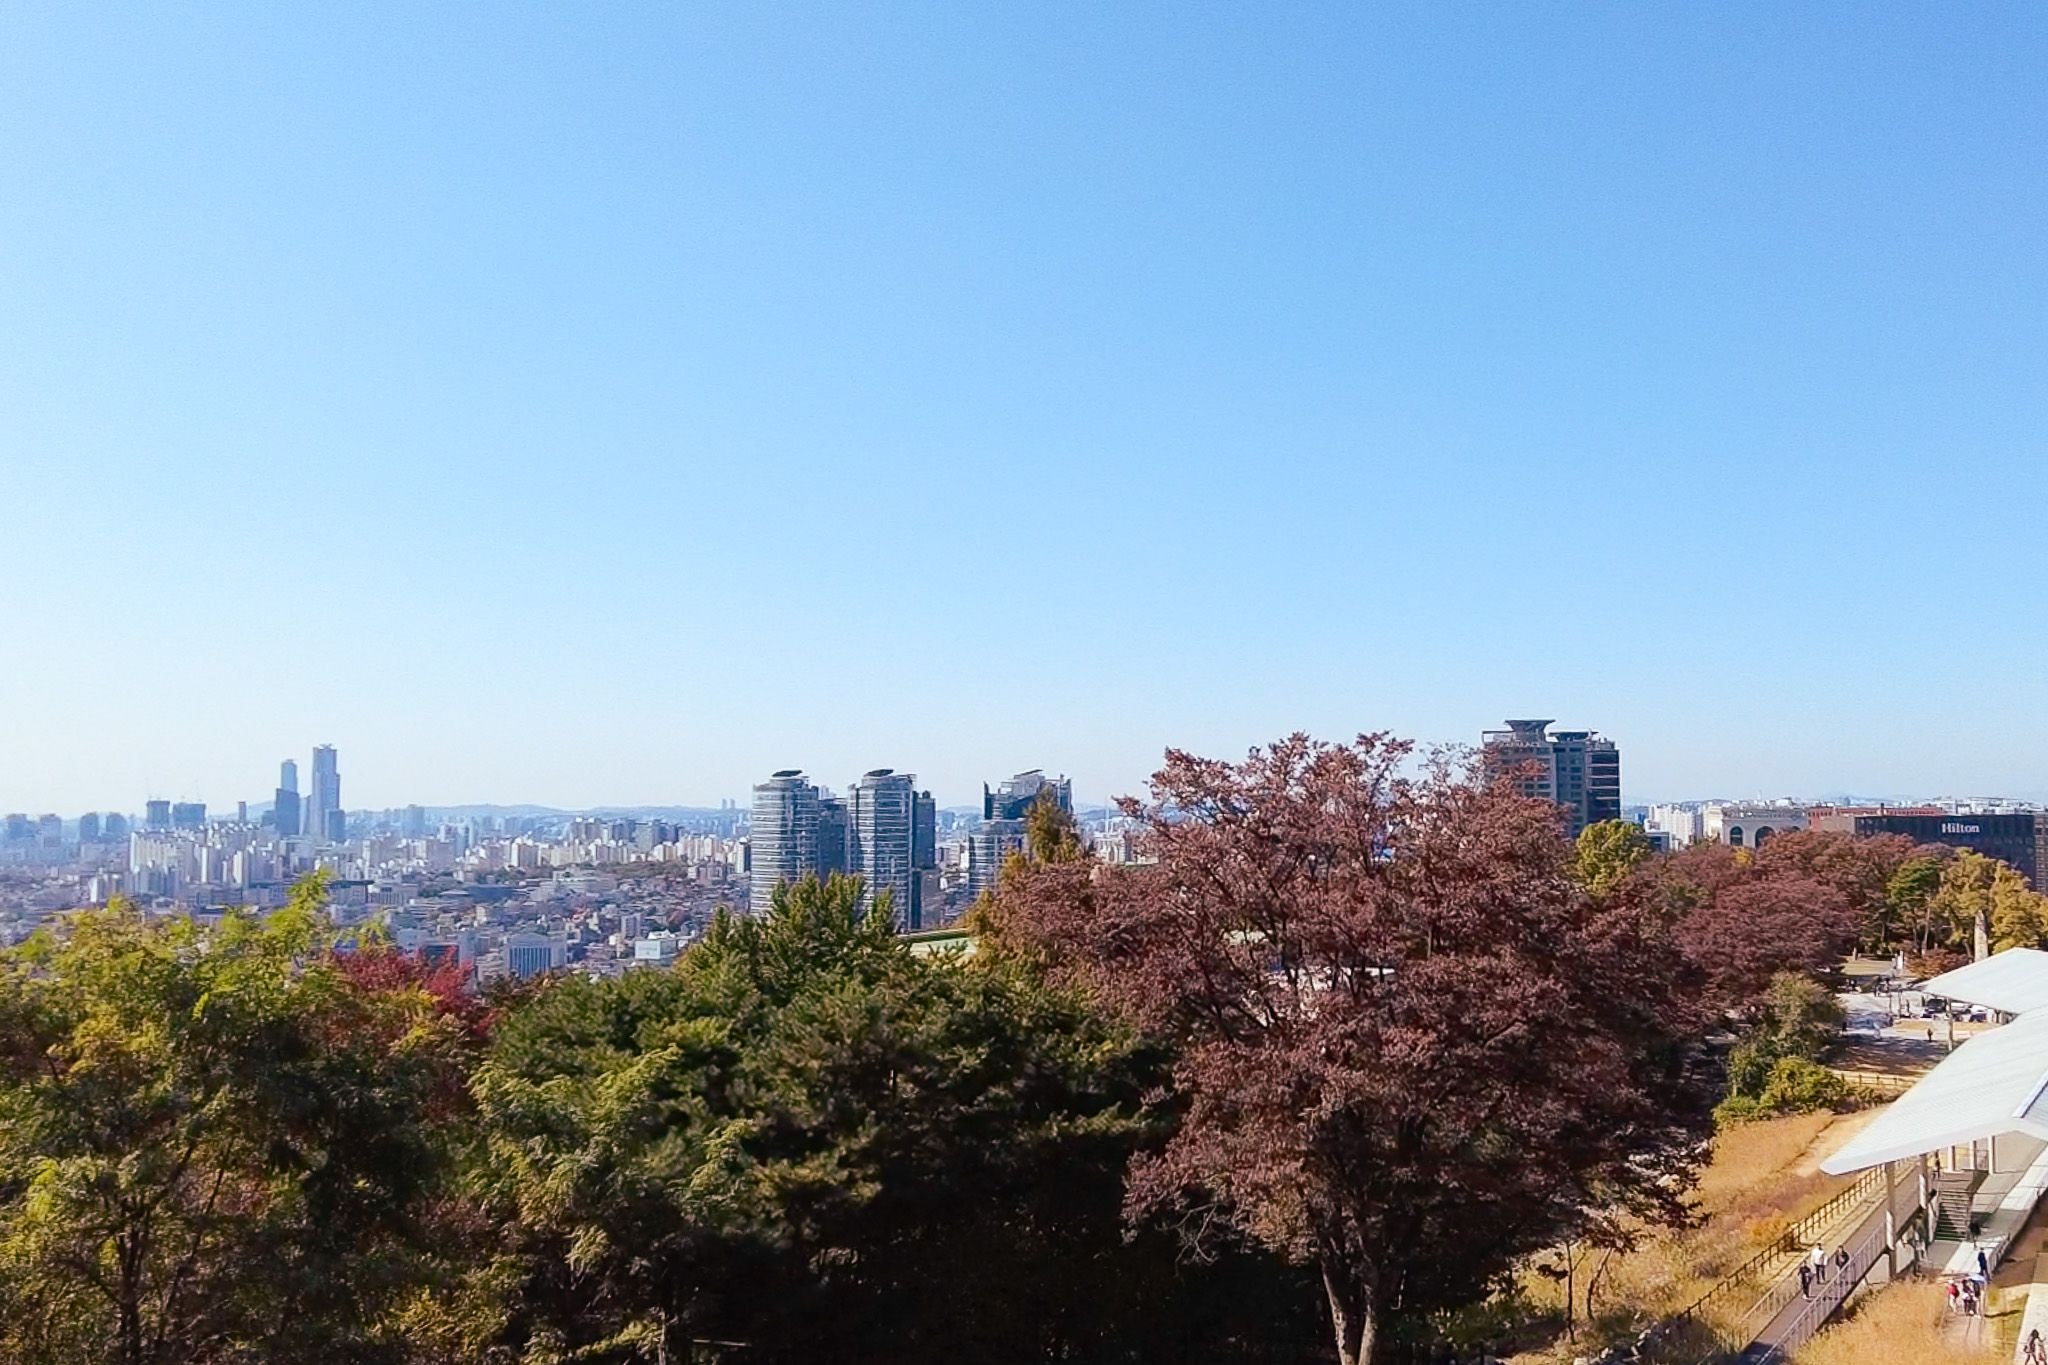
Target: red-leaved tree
[
  {"x": 1767, "y": 923},
  {"x": 1411, "y": 1049},
  {"x": 1858, "y": 867}
]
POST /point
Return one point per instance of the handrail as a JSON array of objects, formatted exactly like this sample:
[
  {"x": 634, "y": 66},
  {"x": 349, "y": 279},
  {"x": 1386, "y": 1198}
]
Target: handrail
[
  {"x": 1777, "y": 1295},
  {"x": 1861, "y": 1262},
  {"x": 1792, "y": 1239},
  {"x": 1825, "y": 1305},
  {"x": 1885, "y": 1082}
]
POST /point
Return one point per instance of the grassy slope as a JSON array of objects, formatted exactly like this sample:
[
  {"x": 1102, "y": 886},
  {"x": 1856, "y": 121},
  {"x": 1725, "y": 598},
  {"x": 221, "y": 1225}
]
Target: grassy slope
[
  {"x": 1762, "y": 1176},
  {"x": 1900, "y": 1325}
]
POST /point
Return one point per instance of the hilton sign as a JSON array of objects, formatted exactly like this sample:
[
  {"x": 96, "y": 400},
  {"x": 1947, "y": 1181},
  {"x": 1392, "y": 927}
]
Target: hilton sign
[{"x": 1952, "y": 828}]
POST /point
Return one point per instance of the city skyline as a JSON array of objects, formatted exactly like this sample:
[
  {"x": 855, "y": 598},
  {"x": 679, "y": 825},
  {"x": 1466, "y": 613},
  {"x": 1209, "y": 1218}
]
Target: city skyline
[
  {"x": 220, "y": 804},
  {"x": 505, "y": 396}
]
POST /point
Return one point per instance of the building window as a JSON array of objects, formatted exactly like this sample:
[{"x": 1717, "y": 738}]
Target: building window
[
  {"x": 1763, "y": 832},
  {"x": 1735, "y": 836}
]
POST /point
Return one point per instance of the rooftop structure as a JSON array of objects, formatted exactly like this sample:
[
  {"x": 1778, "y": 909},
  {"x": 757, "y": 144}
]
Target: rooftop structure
[
  {"x": 2011, "y": 982},
  {"x": 1992, "y": 1086}
]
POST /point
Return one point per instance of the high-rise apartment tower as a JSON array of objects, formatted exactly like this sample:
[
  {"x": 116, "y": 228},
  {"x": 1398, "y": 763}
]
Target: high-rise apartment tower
[
  {"x": 783, "y": 836},
  {"x": 881, "y": 820},
  {"x": 325, "y": 820},
  {"x": 1577, "y": 769}
]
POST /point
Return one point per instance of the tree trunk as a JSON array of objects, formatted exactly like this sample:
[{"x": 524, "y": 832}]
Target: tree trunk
[
  {"x": 1351, "y": 1317},
  {"x": 128, "y": 1269},
  {"x": 1571, "y": 1327},
  {"x": 1593, "y": 1283}
]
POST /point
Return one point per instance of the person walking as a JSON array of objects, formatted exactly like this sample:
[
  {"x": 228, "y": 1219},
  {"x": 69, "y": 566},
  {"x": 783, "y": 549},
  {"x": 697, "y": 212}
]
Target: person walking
[
  {"x": 1955, "y": 1296},
  {"x": 1806, "y": 1281},
  {"x": 1983, "y": 1266},
  {"x": 1818, "y": 1259},
  {"x": 2036, "y": 1352},
  {"x": 1841, "y": 1261}
]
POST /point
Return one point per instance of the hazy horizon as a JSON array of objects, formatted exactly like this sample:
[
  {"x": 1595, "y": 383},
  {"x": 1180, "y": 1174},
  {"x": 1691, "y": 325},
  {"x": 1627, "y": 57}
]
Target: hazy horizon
[
  {"x": 607, "y": 405},
  {"x": 1084, "y": 796}
]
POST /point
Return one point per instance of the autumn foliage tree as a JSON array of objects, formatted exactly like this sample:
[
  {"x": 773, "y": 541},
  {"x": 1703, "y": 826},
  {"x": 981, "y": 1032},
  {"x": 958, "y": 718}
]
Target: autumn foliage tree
[
  {"x": 1753, "y": 929},
  {"x": 213, "y": 1147},
  {"x": 1411, "y": 1048},
  {"x": 1606, "y": 853},
  {"x": 1858, "y": 867}
]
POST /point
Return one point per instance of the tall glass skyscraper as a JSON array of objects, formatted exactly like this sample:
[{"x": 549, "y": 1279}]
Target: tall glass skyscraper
[
  {"x": 782, "y": 835},
  {"x": 881, "y": 822},
  {"x": 284, "y": 805},
  {"x": 324, "y": 818}
]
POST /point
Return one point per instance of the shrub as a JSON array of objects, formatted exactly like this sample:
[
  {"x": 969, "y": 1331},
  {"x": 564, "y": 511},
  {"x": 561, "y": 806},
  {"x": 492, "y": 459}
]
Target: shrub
[
  {"x": 1798, "y": 1086},
  {"x": 1738, "y": 1109}
]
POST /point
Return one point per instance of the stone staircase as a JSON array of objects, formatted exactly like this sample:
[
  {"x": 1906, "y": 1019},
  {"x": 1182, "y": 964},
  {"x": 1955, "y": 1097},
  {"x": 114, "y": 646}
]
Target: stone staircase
[{"x": 1953, "y": 1192}]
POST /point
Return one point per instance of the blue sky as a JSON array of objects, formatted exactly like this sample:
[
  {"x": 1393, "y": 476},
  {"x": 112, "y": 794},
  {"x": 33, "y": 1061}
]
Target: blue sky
[{"x": 587, "y": 403}]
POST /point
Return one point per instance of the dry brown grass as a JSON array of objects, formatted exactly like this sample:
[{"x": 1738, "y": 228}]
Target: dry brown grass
[
  {"x": 1899, "y": 1325},
  {"x": 1761, "y": 1177}
]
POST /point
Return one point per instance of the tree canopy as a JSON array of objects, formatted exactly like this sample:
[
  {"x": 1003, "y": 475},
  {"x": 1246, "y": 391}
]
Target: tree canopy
[
  {"x": 810, "y": 1140},
  {"x": 1410, "y": 1046},
  {"x": 213, "y": 1146},
  {"x": 1607, "y": 852}
]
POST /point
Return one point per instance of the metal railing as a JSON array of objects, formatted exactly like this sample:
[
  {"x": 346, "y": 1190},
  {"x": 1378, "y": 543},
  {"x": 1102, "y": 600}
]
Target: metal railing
[
  {"x": 1878, "y": 1082},
  {"x": 1828, "y": 1297},
  {"x": 1792, "y": 1239}
]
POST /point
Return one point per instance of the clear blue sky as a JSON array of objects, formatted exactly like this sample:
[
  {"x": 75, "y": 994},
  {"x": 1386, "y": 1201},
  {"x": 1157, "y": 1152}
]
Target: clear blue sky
[{"x": 602, "y": 403}]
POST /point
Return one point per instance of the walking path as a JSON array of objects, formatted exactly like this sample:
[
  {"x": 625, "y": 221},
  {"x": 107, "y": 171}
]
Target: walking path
[
  {"x": 2011, "y": 1196},
  {"x": 2024, "y": 1278},
  {"x": 1801, "y": 1313}
]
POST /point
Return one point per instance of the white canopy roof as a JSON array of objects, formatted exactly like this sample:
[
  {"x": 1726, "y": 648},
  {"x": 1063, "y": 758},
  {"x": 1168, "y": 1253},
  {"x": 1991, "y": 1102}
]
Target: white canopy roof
[
  {"x": 1995, "y": 1083},
  {"x": 2011, "y": 982}
]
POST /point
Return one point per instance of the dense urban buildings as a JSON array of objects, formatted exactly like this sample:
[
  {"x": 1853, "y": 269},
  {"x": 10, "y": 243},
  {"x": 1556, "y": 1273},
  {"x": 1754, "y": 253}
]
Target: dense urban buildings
[
  {"x": 516, "y": 894},
  {"x": 883, "y": 830},
  {"x": 1002, "y": 830},
  {"x": 1577, "y": 769},
  {"x": 1739, "y": 824}
]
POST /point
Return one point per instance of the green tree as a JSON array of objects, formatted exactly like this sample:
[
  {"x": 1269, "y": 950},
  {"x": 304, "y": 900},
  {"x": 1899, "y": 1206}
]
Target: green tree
[
  {"x": 212, "y": 1146},
  {"x": 1050, "y": 832},
  {"x": 1798, "y": 1020},
  {"x": 810, "y": 1140},
  {"x": 1979, "y": 894},
  {"x": 1608, "y": 850},
  {"x": 1792, "y": 1085},
  {"x": 1907, "y": 895},
  {"x": 1801, "y": 1017}
]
